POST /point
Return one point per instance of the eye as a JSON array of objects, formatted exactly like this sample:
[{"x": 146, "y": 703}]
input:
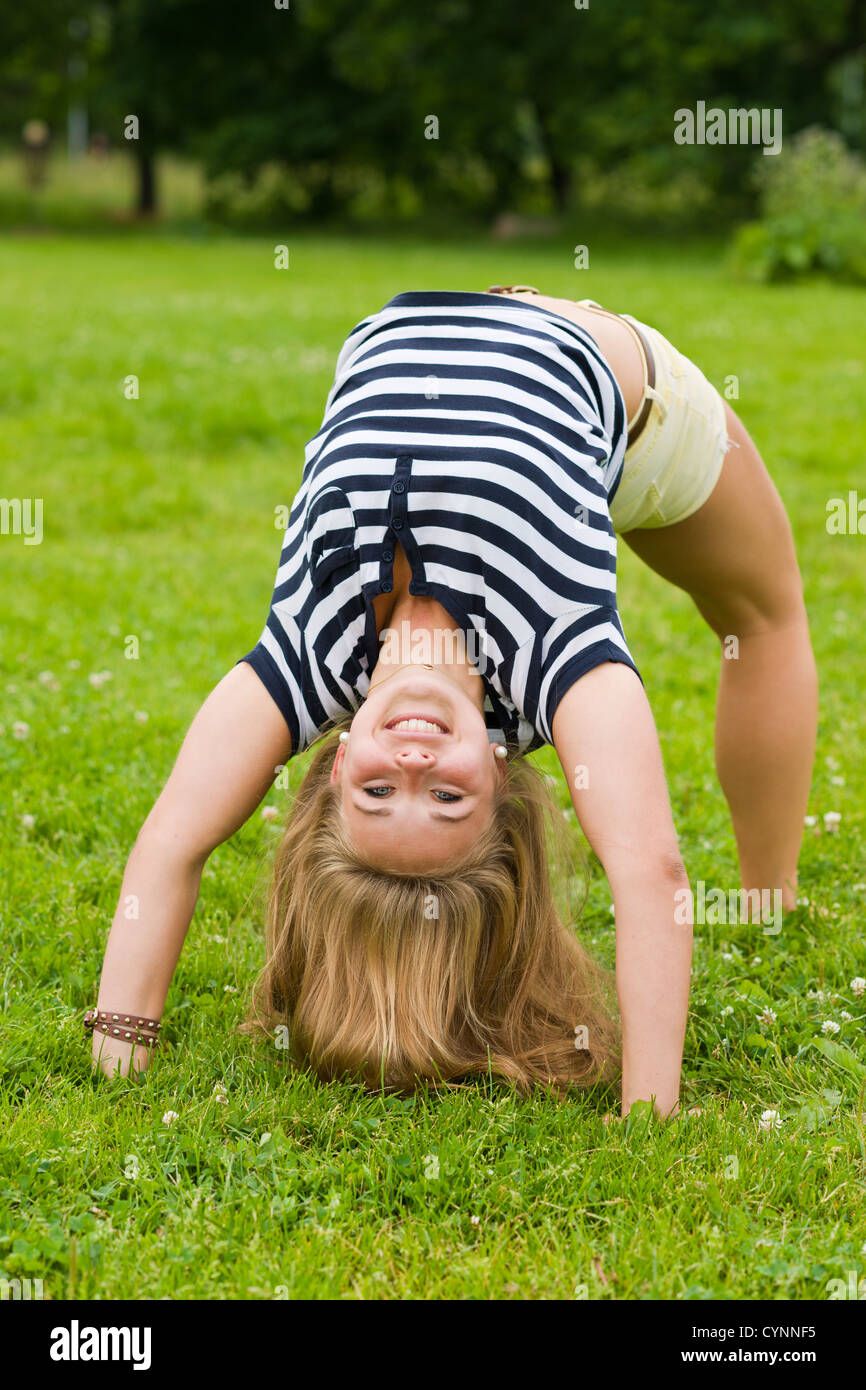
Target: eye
[{"x": 383, "y": 791}]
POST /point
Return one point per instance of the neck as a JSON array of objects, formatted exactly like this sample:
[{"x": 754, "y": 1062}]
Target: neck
[{"x": 421, "y": 632}]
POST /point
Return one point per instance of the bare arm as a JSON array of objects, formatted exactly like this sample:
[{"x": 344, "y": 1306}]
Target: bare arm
[
  {"x": 226, "y": 765},
  {"x": 604, "y": 726}
]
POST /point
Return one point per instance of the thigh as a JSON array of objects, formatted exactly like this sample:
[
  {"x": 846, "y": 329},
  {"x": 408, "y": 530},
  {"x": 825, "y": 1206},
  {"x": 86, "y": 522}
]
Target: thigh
[{"x": 735, "y": 555}]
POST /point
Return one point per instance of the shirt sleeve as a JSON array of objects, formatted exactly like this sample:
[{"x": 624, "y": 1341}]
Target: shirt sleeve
[
  {"x": 275, "y": 684},
  {"x": 277, "y": 656},
  {"x": 575, "y": 643}
]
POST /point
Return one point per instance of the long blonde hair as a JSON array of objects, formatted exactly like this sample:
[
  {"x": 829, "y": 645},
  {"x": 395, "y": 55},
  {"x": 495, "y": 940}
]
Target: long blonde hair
[{"x": 400, "y": 979}]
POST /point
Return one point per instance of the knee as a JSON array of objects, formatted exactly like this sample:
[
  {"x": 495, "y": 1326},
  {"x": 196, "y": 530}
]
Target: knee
[{"x": 775, "y": 606}]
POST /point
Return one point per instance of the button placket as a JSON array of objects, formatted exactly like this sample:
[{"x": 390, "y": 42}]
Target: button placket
[{"x": 396, "y": 520}]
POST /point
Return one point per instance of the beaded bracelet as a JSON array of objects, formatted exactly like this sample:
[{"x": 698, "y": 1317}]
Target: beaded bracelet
[{"x": 125, "y": 1026}]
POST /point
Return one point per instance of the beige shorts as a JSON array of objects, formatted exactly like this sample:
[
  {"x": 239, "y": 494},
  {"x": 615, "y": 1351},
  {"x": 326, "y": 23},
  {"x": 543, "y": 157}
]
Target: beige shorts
[{"x": 674, "y": 464}]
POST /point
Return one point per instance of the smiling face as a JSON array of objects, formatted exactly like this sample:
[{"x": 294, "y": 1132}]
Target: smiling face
[{"x": 417, "y": 777}]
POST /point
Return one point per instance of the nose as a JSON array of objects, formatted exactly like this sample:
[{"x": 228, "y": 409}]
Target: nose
[{"x": 415, "y": 758}]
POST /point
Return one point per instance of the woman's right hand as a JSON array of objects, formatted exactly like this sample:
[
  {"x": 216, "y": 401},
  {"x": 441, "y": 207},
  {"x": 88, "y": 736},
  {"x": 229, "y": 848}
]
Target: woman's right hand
[
  {"x": 230, "y": 756},
  {"x": 113, "y": 1057}
]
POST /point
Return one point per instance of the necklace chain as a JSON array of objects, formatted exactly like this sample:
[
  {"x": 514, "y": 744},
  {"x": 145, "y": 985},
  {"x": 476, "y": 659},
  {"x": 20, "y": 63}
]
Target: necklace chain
[{"x": 427, "y": 665}]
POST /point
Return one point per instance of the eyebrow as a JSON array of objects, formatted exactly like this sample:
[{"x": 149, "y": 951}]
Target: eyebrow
[{"x": 437, "y": 815}]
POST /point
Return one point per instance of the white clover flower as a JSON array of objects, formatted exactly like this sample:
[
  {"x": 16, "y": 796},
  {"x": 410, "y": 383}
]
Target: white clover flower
[
  {"x": 829, "y": 1026},
  {"x": 28, "y": 822},
  {"x": 476, "y": 1220},
  {"x": 756, "y": 960},
  {"x": 20, "y": 729},
  {"x": 831, "y": 821},
  {"x": 767, "y": 1016},
  {"x": 726, "y": 955},
  {"x": 858, "y": 986},
  {"x": 141, "y": 716},
  {"x": 819, "y": 994},
  {"x": 802, "y": 902},
  {"x": 269, "y": 813},
  {"x": 45, "y": 677},
  {"x": 770, "y": 1119},
  {"x": 727, "y": 1011},
  {"x": 229, "y": 989},
  {"x": 859, "y": 888},
  {"x": 810, "y": 820},
  {"x": 846, "y": 1016},
  {"x": 838, "y": 781},
  {"x": 169, "y": 1117}
]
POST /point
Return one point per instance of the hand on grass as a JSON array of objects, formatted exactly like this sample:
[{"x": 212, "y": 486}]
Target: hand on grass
[
  {"x": 675, "y": 1114},
  {"x": 114, "y": 1058}
]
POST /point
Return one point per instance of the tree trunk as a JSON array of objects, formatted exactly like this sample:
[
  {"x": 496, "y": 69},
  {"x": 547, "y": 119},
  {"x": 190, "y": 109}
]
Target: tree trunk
[
  {"x": 560, "y": 183},
  {"x": 146, "y": 184}
]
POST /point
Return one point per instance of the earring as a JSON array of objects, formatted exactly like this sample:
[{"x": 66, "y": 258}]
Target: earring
[
  {"x": 344, "y": 736},
  {"x": 500, "y": 751}
]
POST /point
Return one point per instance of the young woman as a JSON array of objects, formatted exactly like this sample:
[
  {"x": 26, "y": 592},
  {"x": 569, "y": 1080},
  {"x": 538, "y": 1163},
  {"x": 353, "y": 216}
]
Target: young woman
[{"x": 445, "y": 603}]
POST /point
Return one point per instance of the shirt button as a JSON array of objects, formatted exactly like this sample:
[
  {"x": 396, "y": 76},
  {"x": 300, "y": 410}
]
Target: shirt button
[
  {"x": 397, "y": 523},
  {"x": 386, "y": 587},
  {"x": 398, "y": 486},
  {"x": 387, "y": 556}
]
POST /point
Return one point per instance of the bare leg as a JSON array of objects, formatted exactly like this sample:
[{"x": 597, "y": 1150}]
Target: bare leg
[{"x": 735, "y": 557}]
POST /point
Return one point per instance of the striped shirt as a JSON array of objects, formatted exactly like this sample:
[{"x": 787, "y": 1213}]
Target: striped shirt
[{"x": 487, "y": 436}]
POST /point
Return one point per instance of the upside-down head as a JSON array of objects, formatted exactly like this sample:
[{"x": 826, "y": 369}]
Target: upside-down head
[{"x": 401, "y": 976}]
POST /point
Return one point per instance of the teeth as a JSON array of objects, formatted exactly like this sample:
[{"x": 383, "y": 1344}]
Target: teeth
[{"x": 424, "y": 725}]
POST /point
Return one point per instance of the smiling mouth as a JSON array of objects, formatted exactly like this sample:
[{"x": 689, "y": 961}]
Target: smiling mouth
[{"x": 416, "y": 724}]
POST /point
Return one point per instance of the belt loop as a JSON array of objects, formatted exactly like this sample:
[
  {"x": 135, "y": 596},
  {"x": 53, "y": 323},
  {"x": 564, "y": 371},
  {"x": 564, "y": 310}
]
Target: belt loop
[{"x": 656, "y": 396}]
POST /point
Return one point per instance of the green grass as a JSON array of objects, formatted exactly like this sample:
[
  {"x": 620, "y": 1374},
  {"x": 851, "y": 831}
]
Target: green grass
[
  {"x": 89, "y": 192},
  {"x": 159, "y": 523}
]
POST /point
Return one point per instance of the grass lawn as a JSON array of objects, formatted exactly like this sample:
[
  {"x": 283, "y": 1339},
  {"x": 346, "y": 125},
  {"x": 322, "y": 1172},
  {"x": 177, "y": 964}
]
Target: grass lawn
[{"x": 159, "y": 525}]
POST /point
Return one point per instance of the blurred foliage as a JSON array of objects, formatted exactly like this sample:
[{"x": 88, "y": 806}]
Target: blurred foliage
[
  {"x": 326, "y": 107},
  {"x": 813, "y": 201}
]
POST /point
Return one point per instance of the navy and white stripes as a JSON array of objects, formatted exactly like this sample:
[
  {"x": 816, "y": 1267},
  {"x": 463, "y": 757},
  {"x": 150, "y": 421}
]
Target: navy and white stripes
[{"x": 487, "y": 437}]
